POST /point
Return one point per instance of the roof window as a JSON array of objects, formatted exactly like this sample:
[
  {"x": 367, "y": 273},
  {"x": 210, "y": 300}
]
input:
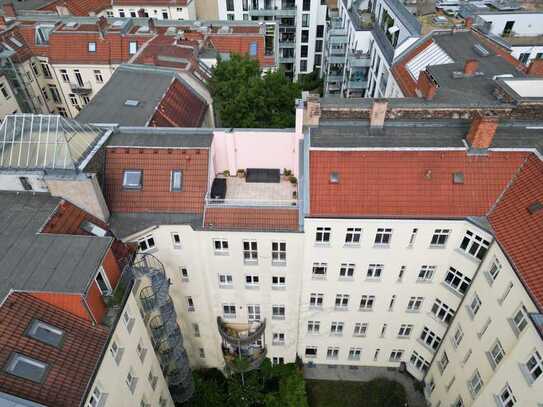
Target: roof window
[
  {"x": 45, "y": 333},
  {"x": 27, "y": 368},
  {"x": 458, "y": 177},
  {"x": 132, "y": 179},
  {"x": 535, "y": 207},
  {"x": 132, "y": 102},
  {"x": 334, "y": 177},
  {"x": 93, "y": 229}
]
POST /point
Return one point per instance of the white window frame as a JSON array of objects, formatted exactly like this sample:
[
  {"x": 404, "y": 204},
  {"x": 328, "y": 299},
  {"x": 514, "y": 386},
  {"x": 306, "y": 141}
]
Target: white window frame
[
  {"x": 254, "y": 313},
  {"x": 534, "y": 364},
  {"x": 360, "y": 329},
  {"x": 355, "y": 353},
  {"x": 332, "y": 353},
  {"x": 346, "y": 271},
  {"x": 375, "y": 271},
  {"x": 367, "y": 302},
  {"x": 458, "y": 282},
  {"x": 176, "y": 240},
  {"x": 228, "y": 280},
  {"x": 222, "y": 249},
  {"x": 279, "y": 253},
  {"x": 396, "y": 355},
  {"x": 405, "y": 330},
  {"x": 250, "y": 251},
  {"x": 506, "y": 398},
  {"x": 440, "y": 238},
  {"x": 313, "y": 327},
  {"x": 419, "y": 362},
  {"x": 442, "y": 311},
  {"x": 353, "y": 237},
  {"x": 457, "y": 337},
  {"x": 227, "y": 311},
  {"x": 132, "y": 47},
  {"x": 252, "y": 280},
  {"x": 475, "y": 384},
  {"x": 316, "y": 300},
  {"x": 312, "y": 355},
  {"x": 97, "y": 397},
  {"x": 126, "y": 185},
  {"x": 323, "y": 235},
  {"x": 474, "y": 245},
  {"x": 278, "y": 338},
  {"x": 426, "y": 273},
  {"x": 91, "y": 46},
  {"x": 383, "y": 237},
  {"x": 430, "y": 339},
  {"x": 415, "y": 304},
  {"x": 103, "y": 274},
  {"x": 147, "y": 243},
  {"x": 176, "y": 180},
  {"x": 336, "y": 328},
  {"x": 184, "y": 272},
  {"x": 342, "y": 302},
  {"x": 279, "y": 311},
  {"x": 475, "y": 305},
  {"x": 496, "y": 354},
  {"x": 519, "y": 323},
  {"x": 319, "y": 271},
  {"x": 279, "y": 282}
]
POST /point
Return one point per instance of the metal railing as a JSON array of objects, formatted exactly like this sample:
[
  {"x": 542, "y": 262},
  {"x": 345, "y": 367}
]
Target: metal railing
[
  {"x": 266, "y": 203},
  {"x": 81, "y": 88}
]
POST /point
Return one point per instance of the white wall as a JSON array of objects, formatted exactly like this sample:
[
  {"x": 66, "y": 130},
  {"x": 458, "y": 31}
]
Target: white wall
[
  {"x": 187, "y": 12},
  {"x": 526, "y": 24},
  {"x": 8, "y": 103}
]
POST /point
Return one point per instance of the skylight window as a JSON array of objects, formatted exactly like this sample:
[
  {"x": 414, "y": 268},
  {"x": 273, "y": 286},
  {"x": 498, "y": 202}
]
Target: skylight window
[
  {"x": 132, "y": 179},
  {"x": 45, "y": 333},
  {"x": 27, "y": 368},
  {"x": 131, "y": 103},
  {"x": 93, "y": 229}
]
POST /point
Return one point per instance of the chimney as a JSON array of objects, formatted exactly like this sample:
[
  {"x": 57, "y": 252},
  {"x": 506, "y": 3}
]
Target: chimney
[
  {"x": 9, "y": 9},
  {"x": 470, "y": 67},
  {"x": 468, "y": 22},
  {"x": 151, "y": 25},
  {"x": 482, "y": 130},
  {"x": 536, "y": 68},
  {"x": 2, "y": 22},
  {"x": 141, "y": 13},
  {"x": 426, "y": 86},
  {"x": 378, "y": 113},
  {"x": 101, "y": 23}
]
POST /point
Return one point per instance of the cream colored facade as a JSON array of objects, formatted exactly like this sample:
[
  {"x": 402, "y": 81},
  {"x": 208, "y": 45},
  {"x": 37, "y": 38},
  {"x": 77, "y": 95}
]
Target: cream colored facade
[
  {"x": 129, "y": 373},
  {"x": 8, "y": 102},
  {"x": 166, "y": 12}
]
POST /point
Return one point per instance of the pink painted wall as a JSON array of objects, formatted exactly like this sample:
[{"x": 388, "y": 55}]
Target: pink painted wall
[{"x": 241, "y": 149}]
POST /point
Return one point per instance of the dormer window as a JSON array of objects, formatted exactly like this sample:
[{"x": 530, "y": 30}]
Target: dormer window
[
  {"x": 92, "y": 47},
  {"x": 177, "y": 180},
  {"x": 45, "y": 333},
  {"x": 132, "y": 179}
]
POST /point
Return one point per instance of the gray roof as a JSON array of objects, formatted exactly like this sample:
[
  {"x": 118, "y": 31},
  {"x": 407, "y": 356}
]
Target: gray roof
[
  {"x": 146, "y": 86},
  {"x": 27, "y": 4},
  {"x": 161, "y": 137},
  {"x": 124, "y": 225},
  {"x": 406, "y": 17},
  {"x": 43, "y": 262}
]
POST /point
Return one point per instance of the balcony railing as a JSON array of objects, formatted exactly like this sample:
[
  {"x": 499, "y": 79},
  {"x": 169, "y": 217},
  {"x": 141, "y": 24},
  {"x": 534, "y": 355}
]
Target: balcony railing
[
  {"x": 286, "y": 11},
  {"x": 359, "y": 60},
  {"x": 81, "y": 88},
  {"x": 222, "y": 203},
  {"x": 357, "y": 84},
  {"x": 240, "y": 334},
  {"x": 242, "y": 363}
]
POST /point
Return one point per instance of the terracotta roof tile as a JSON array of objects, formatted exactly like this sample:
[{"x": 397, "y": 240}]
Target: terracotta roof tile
[
  {"x": 79, "y": 7},
  {"x": 67, "y": 220},
  {"x": 252, "y": 219},
  {"x": 520, "y": 232},
  {"x": 70, "y": 368},
  {"x": 408, "y": 183},
  {"x": 22, "y": 52},
  {"x": 239, "y": 44}
]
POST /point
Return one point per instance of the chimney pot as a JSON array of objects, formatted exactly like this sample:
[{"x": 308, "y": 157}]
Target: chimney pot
[
  {"x": 536, "y": 68},
  {"x": 470, "y": 67},
  {"x": 151, "y": 25},
  {"x": 482, "y": 131}
]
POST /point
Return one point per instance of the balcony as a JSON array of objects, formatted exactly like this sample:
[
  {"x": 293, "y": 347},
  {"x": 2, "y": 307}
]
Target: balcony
[
  {"x": 359, "y": 59},
  {"x": 338, "y": 38},
  {"x": 336, "y": 59},
  {"x": 334, "y": 78},
  {"x": 238, "y": 334},
  {"x": 243, "y": 362},
  {"x": 81, "y": 88},
  {"x": 287, "y": 44},
  {"x": 357, "y": 84},
  {"x": 287, "y": 11},
  {"x": 286, "y": 60}
]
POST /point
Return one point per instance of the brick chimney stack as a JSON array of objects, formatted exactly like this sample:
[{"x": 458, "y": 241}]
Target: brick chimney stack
[
  {"x": 468, "y": 22},
  {"x": 426, "y": 86},
  {"x": 101, "y": 23},
  {"x": 151, "y": 25},
  {"x": 141, "y": 13},
  {"x": 9, "y": 9},
  {"x": 482, "y": 130},
  {"x": 2, "y": 22},
  {"x": 536, "y": 68},
  {"x": 378, "y": 113},
  {"x": 470, "y": 67}
]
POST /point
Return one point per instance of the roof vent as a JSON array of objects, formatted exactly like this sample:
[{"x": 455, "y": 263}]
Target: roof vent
[
  {"x": 458, "y": 177},
  {"x": 143, "y": 29},
  {"x": 171, "y": 31},
  {"x": 428, "y": 174},
  {"x": 334, "y": 177},
  {"x": 131, "y": 103},
  {"x": 535, "y": 207},
  {"x": 480, "y": 50}
]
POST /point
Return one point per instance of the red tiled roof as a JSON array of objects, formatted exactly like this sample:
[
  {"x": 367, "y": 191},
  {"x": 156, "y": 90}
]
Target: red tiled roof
[
  {"x": 172, "y": 3},
  {"x": 403, "y": 78},
  {"x": 157, "y": 164},
  {"x": 180, "y": 107},
  {"x": 166, "y": 46},
  {"x": 70, "y": 368},
  {"x": 22, "y": 53},
  {"x": 67, "y": 220},
  {"x": 79, "y": 7},
  {"x": 520, "y": 232},
  {"x": 252, "y": 219},
  {"x": 239, "y": 44},
  {"x": 408, "y": 183}
]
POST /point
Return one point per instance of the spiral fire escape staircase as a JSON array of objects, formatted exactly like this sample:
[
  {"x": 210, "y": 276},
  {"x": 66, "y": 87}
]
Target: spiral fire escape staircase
[{"x": 161, "y": 319}]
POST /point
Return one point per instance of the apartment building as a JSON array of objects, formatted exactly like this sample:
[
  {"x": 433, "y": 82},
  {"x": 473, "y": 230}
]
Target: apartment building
[
  {"x": 363, "y": 39},
  {"x": 159, "y": 9},
  {"x": 301, "y": 29},
  {"x": 8, "y": 101}
]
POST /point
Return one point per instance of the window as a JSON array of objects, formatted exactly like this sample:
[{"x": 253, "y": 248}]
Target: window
[
  {"x": 440, "y": 237},
  {"x": 534, "y": 366},
  {"x": 496, "y": 354},
  {"x": 279, "y": 252},
  {"x": 318, "y": 48},
  {"x": 383, "y": 236},
  {"x": 128, "y": 320},
  {"x": 475, "y": 384},
  {"x": 146, "y": 243},
  {"x": 413, "y": 237},
  {"x": 250, "y": 251},
  {"x": 74, "y": 101},
  {"x": 313, "y": 327},
  {"x": 252, "y": 280},
  {"x": 442, "y": 311},
  {"x": 519, "y": 320},
  {"x": 474, "y": 245},
  {"x": 45, "y": 333},
  {"x": 305, "y": 20},
  {"x": 319, "y": 270},
  {"x": 430, "y": 338},
  {"x": 176, "y": 240},
  {"x": 306, "y": 5},
  {"x": 278, "y": 360},
  {"x": 336, "y": 328},
  {"x": 196, "y": 330},
  {"x": 279, "y": 282},
  {"x": 4, "y": 91},
  {"x": 25, "y": 183},
  {"x": 405, "y": 330},
  {"x": 121, "y": 13},
  {"x": 459, "y": 402},
  {"x": 457, "y": 281},
  {"x": 443, "y": 362},
  {"x": 225, "y": 280},
  {"x": 396, "y": 355},
  {"x": 116, "y": 351},
  {"x": 375, "y": 271},
  {"x": 320, "y": 31},
  {"x": 132, "y": 179},
  {"x": 131, "y": 380},
  {"x": 354, "y": 353},
  {"x": 253, "y": 312},
  {"x": 316, "y": 300},
  {"x": 278, "y": 312},
  {"x": 176, "y": 181},
  {"x": 184, "y": 273},
  {"x": 414, "y": 304},
  {"x": 506, "y": 397},
  {"x": 303, "y": 52},
  {"x": 190, "y": 304},
  {"x": 366, "y": 302},
  {"x": 303, "y": 65},
  {"x": 311, "y": 351},
  {"x": 278, "y": 338},
  {"x": 103, "y": 282},
  {"x": 152, "y": 379},
  {"x": 346, "y": 270},
  {"x": 230, "y": 17},
  {"x": 229, "y": 5},
  {"x": 64, "y": 75},
  {"x": 342, "y": 302},
  {"x": 401, "y": 273},
  {"x": 96, "y": 398},
  {"x": 458, "y": 336},
  {"x": 220, "y": 246},
  {"x": 141, "y": 350},
  {"x": 524, "y": 57},
  {"x": 92, "y": 47},
  {"x": 46, "y": 70},
  {"x": 54, "y": 94},
  {"x": 98, "y": 76},
  {"x": 323, "y": 235},
  {"x": 332, "y": 353},
  {"x": 474, "y": 305},
  {"x": 392, "y": 302},
  {"x": 419, "y": 362},
  {"x": 426, "y": 273},
  {"x": 383, "y": 330},
  {"x": 132, "y": 47},
  {"x": 35, "y": 69},
  {"x": 253, "y": 49},
  {"x": 352, "y": 237},
  {"x": 495, "y": 269},
  {"x": 229, "y": 310},
  {"x": 27, "y": 368}
]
